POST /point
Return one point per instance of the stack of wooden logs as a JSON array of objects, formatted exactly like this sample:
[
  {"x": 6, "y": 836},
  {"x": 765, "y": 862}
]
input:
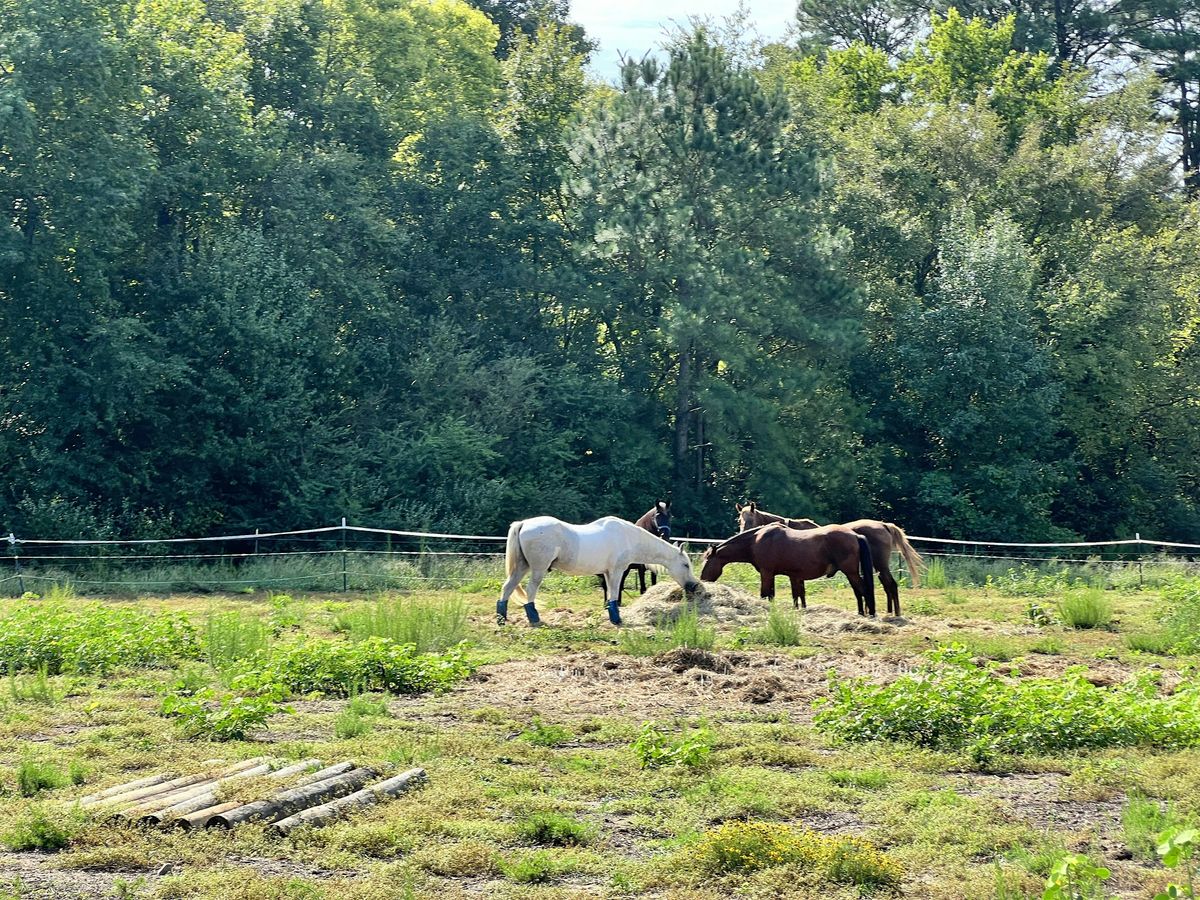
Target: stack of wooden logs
[{"x": 193, "y": 801}]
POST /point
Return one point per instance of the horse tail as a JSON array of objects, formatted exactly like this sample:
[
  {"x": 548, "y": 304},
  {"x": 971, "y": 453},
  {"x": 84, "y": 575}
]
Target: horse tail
[
  {"x": 513, "y": 554},
  {"x": 912, "y": 558},
  {"x": 868, "y": 572}
]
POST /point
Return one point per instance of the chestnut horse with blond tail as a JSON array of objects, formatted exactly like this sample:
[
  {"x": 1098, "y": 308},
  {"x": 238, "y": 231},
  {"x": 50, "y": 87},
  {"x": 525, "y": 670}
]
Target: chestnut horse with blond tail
[{"x": 885, "y": 538}]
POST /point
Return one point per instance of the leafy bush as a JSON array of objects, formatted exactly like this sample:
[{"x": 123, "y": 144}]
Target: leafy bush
[
  {"x": 1074, "y": 877},
  {"x": 555, "y": 829},
  {"x": 39, "y": 830},
  {"x": 373, "y": 664},
  {"x": 226, "y": 718},
  {"x": 91, "y": 638},
  {"x": 1177, "y": 847},
  {"x": 35, "y": 776},
  {"x": 1085, "y": 608},
  {"x": 655, "y": 750},
  {"x": 954, "y": 704},
  {"x": 742, "y": 847}
]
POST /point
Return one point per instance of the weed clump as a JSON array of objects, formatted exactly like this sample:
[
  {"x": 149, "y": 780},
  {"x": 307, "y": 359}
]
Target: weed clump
[
  {"x": 744, "y": 847},
  {"x": 555, "y": 830},
  {"x": 39, "y": 830},
  {"x": 1086, "y": 608}
]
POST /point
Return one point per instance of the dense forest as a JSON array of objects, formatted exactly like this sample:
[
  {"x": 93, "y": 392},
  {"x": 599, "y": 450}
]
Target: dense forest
[{"x": 273, "y": 262}]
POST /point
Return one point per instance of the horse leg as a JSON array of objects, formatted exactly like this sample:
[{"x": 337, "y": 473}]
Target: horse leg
[
  {"x": 614, "y": 602},
  {"x": 766, "y": 588},
  {"x": 531, "y": 613},
  {"x": 892, "y": 590},
  {"x": 798, "y": 599},
  {"x": 510, "y": 585},
  {"x": 850, "y": 570},
  {"x": 642, "y": 579},
  {"x": 653, "y": 579},
  {"x": 620, "y": 589}
]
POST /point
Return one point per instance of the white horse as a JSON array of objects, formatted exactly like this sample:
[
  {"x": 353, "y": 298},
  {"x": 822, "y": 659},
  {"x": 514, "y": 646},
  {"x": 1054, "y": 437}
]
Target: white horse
[{"x": 605, "y": 547}]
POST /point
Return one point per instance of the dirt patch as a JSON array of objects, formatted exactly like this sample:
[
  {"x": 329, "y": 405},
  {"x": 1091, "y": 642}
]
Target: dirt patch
[
  {"x": 665, "y": 603},
  {"x": 1039, "y": 800},
  {"x": 830, "y": 620}
]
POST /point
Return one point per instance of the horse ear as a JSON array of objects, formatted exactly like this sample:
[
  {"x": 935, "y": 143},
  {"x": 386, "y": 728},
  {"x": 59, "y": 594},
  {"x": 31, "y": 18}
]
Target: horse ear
[
  {"x": 753, "y": 506},
  {"x": 737, "y": 506},
  {"x": 666, "y": 507}
]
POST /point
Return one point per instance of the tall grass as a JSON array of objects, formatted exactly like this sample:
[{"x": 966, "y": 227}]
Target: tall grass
[
  {"x": 1085, "y": 608},
  {"x": 935, "y": 574},
  {"x": 684, "y": 631},
  {"x": 428, "y": 626},
  {"x": 231, "y": 637},
  {"x": 781, "y": 628}
]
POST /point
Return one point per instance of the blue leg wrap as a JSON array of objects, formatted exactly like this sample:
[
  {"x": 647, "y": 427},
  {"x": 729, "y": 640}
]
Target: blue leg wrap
[
  {"x": 614, "y": 612},
  {"x": 501, "y": 612},
  {"x": 532, "y": 613}
]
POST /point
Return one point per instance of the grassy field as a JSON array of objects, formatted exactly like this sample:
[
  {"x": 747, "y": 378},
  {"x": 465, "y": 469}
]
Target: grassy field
[{"x": 580, "y": 760}]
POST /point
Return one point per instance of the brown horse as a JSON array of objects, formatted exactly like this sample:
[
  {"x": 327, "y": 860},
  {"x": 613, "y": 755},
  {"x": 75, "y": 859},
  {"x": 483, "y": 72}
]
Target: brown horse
[
  {"x": 801, "y": 555},
  {"x": 750, "y": 516},
  {"x": 657, "y": 521},
  {"x": 885, "y": 538}
]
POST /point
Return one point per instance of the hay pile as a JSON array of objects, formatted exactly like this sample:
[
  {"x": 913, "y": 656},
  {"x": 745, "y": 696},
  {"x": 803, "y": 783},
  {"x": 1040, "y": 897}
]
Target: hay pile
[
  {"x": 829, "y": 620},
  {"x": 664, "y": 603}
]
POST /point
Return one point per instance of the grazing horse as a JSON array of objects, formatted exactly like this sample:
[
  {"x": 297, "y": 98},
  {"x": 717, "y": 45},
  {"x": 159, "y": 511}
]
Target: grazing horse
[
  {"x": 607, "y": 545},
  {"x": 885, "y": 538},
  {"x": 657, "y": 521},
  {"x": 750, "y": 516},
  {"x": 802, "y": 555}
]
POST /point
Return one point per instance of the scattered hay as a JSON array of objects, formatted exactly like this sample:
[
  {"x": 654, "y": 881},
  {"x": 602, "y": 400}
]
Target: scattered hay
[
  {"x": 762, "y": 688},
  {"x": 664, "y": 603},
  {"x": 681, "y": 659},
  {"x": 828, "y": 620}
]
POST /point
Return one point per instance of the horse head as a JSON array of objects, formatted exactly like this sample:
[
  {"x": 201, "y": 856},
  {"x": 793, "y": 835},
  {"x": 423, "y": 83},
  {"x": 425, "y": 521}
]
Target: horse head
[
  {"x": 662, "y": 519},
  {"x": 711, "y": 565},
  {"x": 747, "y": 515}
]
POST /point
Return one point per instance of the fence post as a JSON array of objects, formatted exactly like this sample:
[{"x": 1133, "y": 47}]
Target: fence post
[
  {"x": 343, "y": 554},
  {"x": 16, "y": 556},
  {"x": 256, "y": 542},
  {"x": 1137, "y": 536}
]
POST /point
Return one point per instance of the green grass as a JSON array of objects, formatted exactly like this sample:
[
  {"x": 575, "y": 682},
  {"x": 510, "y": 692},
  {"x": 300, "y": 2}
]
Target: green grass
[
  {"x": 1085, "y": 608},
  {"x": 428, "y": 626}
]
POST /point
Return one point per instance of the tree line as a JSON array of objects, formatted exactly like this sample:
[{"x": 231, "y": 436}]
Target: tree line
[{"x": 272, "y": 262}]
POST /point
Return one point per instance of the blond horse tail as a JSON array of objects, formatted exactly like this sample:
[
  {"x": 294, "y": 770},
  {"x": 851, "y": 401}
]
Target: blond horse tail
[
  {"x": 513, "y": 555},
  {"x": 912, "y": 558}
]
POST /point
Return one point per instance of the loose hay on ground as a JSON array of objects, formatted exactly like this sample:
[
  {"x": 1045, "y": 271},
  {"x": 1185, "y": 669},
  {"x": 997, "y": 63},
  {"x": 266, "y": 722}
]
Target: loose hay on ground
[
  {"x": 665, "y": 603},
  {"x": 829, "y": 620}
]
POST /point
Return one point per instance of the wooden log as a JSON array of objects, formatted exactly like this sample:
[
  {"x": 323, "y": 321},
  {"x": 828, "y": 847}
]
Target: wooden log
[
  {"x": 201, "y": 817},
  {"x": 154, "y": 811},
  {"x": 130, "y": 786},
  {"x": 284, "y": 803},
  {"x": 203, "y": 797},
  {"x": 334, "y": 809},
  {"x": 327, "y": 772},
  {"x": 167, "y": 787}
]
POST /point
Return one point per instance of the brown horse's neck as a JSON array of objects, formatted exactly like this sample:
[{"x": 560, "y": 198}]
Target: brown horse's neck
[{"x": 738, "y": 548}]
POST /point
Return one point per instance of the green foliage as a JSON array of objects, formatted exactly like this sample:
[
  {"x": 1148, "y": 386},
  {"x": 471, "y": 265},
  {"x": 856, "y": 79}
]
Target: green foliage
[
  {"x": 35, "y": 776},
  {"x": 555, "y": 829},
  {"x": 40, "y": 828},
  {"x": 91, "y": 638},
  {"x": 233, "y": 637},
  {"x": 1142, "y": 821},
  {"x": 229, "y": 717},
  {"x": 428, "y": 627},
  {"x": 543, "y": 735},
  {"x": 342, "y": 669},
  {"x": 350, "y": 724},
  {"x": 1075, "y": 877},
  {"x": 1177, "y": 847},
  {"x": 955, "y": 704},
  {"x": 536, "y": 867},
  {"x": 741, "y": 847},
  {"x": 34, "y": 688},
  {"x": 654, "y": 749},
  {"x": 781, "y": 629},
  {"x": 1085, "y": 608}
]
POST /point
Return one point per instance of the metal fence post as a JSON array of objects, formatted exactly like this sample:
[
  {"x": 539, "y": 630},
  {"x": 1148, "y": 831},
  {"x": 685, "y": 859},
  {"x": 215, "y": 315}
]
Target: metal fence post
[
  {"x": 343, "y": 554},
  {"x": 16, "y": 557}
]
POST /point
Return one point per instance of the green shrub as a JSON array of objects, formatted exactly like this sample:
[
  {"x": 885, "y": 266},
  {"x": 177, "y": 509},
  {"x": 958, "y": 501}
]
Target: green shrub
[
  {"x": 373, "y": 664},
  {"x": 555, "y": 829},
  {"x": 954, "y": 704},
  {"x": 1085, "y": 608},
  {"x": 39, "y": 830},
  {"x": 34, "y": 776},
  {"x": 655, "y": 750},
  {"x": 349, "y": 724},
  {"x": 220, "y": 718},
  {"x": 91, "y": 638}
]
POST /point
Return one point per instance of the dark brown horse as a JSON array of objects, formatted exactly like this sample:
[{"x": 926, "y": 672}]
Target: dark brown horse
[
  {"x": 657, "y": 521},
  {"x": 885, "y": 538},
  {"x": 801, "y": 555},
  {"x": 750, "y": 516}
]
